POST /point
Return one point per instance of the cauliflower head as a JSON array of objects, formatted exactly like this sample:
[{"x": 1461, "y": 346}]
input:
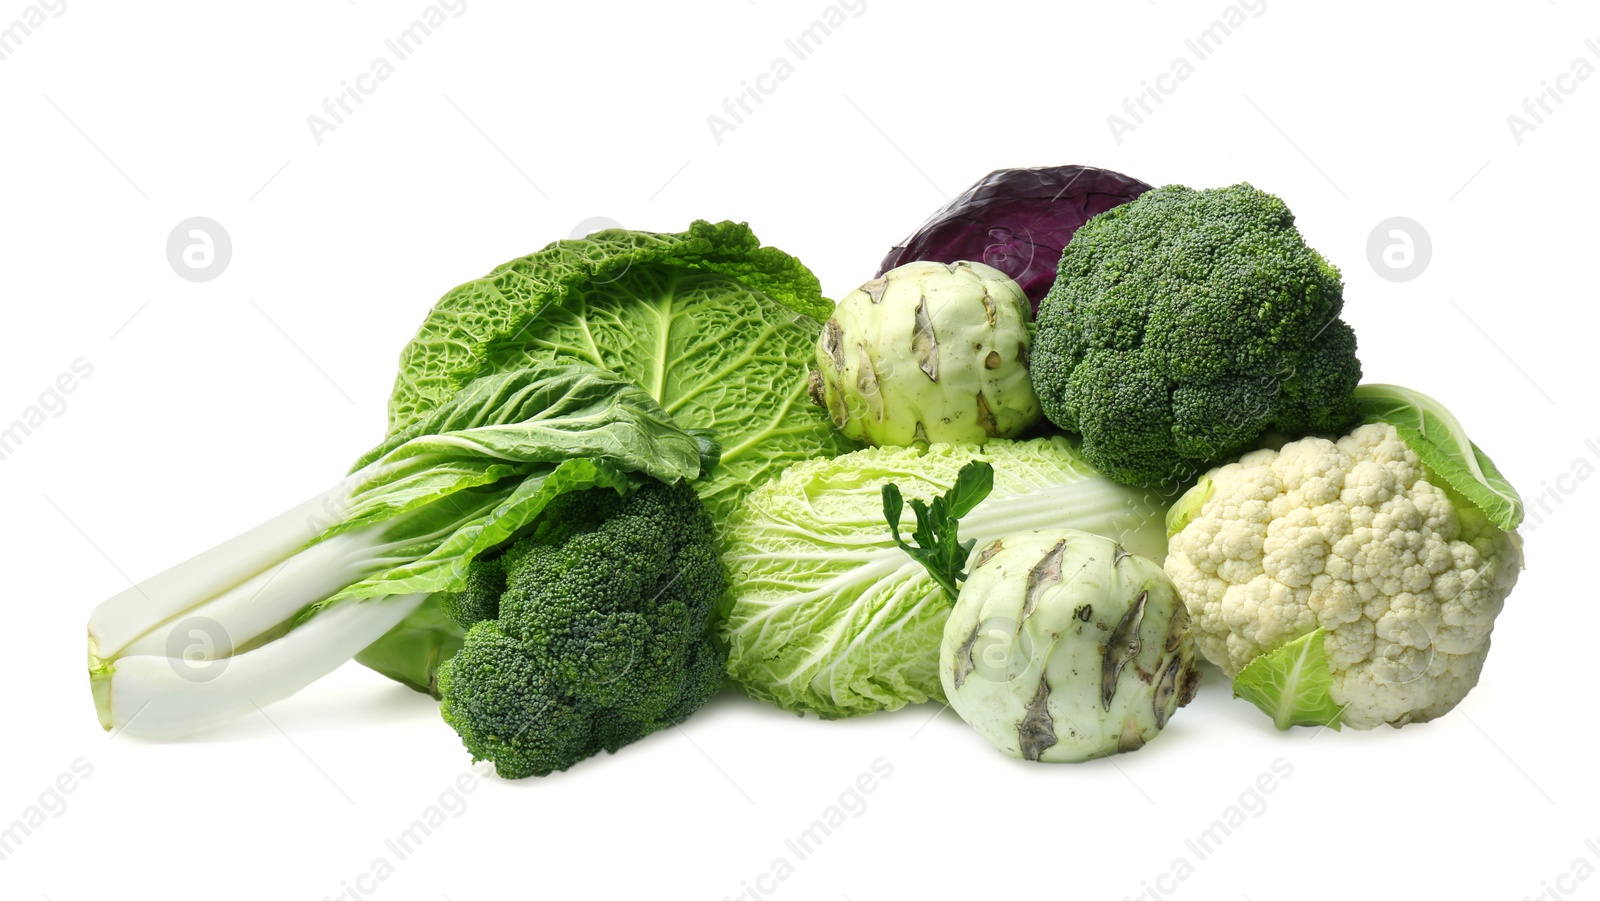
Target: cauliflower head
[{"x": 1356, "y": 537}]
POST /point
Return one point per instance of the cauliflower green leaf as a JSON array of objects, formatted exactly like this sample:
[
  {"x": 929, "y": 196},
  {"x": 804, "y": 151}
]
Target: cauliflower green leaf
[
  {"x": 1439, "y": 439},
  {"x": 1189, "y": 504},
  {"x": 1292, "y": 684}
]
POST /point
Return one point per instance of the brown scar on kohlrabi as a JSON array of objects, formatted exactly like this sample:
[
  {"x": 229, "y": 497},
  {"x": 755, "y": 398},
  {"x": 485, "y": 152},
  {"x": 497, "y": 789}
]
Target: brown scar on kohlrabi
[
  {"x": 817, "y": 391},
  {"x": 816, "y": 383},
  {"x": 1188, "y": 685},
  {"x": 984, "y": 555},
  {"x": 924, "y": 343},
  {"x": 1122, "y": 647},
  {"x": 867, "y": 385},
  {"x": 964, "y": 665},
  {"x": 991, "y": 426},
  {"x": 1037, "y": 732},
  {"x": 1165, "y": 689},
  {"x": 833, "y": 342},
  {"x": 1045, "y": 574},
  {"x": 1130, "y": 739},
  {"x": 1177, "y": 628}
]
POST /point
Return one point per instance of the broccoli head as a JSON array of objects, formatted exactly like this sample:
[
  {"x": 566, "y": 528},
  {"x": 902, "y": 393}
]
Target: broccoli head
[
  {"x": 1184, "y": 324},
  {"x": 588, "y": 634}
]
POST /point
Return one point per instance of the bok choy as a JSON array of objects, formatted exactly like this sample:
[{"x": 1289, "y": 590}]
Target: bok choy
[{"x": 261, "y": 616}]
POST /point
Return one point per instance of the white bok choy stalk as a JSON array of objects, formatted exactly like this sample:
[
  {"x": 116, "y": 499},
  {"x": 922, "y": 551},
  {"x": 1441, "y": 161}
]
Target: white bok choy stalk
[{"x": 267, "y": 613}]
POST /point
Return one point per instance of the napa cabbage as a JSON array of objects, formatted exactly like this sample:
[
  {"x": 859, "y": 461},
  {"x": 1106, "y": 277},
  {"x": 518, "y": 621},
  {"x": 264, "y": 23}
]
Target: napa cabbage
[{"x": 827, "y": 614}]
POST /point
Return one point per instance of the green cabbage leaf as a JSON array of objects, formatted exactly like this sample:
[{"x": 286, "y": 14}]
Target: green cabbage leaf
[{"x": 718, "y": 329}]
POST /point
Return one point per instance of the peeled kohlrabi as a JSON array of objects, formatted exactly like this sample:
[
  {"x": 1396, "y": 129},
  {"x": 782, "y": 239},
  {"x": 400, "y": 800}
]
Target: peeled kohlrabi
[
  {"x": 1063, "y": 647},
  {"x": 927, "y": 353}
]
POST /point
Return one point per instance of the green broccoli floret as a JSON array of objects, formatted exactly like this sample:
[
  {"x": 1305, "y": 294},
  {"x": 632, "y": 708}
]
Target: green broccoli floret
[
  {"x": 1183, "y": 325},
  {"x": 589, "y": 634}
]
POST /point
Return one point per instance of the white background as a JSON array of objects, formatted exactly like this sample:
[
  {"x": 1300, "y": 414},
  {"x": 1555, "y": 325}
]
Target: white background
[{"x": 213, "y": 406}]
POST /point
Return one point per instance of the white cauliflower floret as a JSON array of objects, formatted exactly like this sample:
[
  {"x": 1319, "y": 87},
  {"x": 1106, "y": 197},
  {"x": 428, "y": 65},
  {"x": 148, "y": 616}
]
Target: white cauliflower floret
[{"x": 1354, "y": 536}]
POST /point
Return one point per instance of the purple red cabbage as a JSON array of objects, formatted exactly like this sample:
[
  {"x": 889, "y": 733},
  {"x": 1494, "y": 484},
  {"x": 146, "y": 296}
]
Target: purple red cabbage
[{"x": 1018, "y": 221}]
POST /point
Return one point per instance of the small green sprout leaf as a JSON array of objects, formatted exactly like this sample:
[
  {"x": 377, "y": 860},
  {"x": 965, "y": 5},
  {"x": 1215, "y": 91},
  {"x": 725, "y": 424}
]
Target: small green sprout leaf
[{"x": 938, "y": 544}]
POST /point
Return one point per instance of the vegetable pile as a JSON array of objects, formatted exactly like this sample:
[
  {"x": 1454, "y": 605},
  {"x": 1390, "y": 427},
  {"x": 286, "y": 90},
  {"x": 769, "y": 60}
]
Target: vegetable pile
[{"x": 1112, "y": 430}]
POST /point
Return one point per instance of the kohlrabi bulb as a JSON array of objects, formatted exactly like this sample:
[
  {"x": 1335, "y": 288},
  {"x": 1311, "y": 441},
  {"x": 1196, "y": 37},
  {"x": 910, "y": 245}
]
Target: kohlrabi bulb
[
  {"x": 928, "y": 352},
  {"x": 1064, "y": 647}
]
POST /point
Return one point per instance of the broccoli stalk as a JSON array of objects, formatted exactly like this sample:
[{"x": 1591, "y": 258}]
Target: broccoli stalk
[
  {"x": 588, "y": 634},
  {"x": 261, "y": 616}
]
